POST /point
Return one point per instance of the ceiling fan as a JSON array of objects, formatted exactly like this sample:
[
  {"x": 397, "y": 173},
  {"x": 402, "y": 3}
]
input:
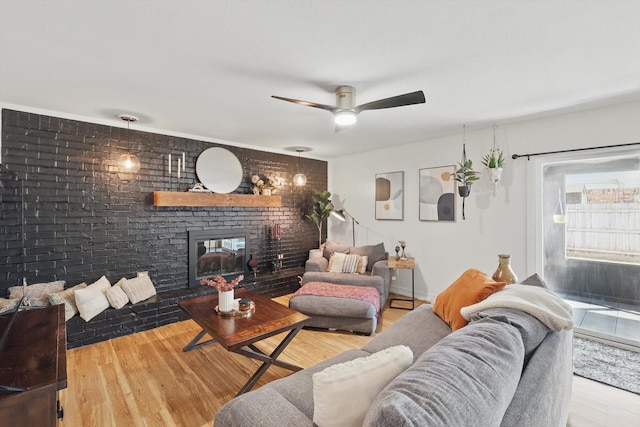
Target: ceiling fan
[{"x": 345, "y": 110}]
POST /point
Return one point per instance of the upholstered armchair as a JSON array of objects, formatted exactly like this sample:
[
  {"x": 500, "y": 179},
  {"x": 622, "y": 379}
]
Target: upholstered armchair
[{"x": 371, "y": 264}]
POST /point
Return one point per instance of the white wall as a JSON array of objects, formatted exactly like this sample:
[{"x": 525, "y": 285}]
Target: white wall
[{"x": 495, "y": 223}]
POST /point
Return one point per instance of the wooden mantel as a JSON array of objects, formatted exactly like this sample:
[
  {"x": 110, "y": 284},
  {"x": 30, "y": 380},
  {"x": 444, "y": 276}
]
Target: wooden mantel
[{"x": 193, "y": 199}]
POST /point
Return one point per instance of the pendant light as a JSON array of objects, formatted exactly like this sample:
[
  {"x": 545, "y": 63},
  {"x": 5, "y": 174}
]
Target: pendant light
[
  {"x": 128, "y": 163},
  {"x": 558, "y": 213},
  {"x": 299, "y": 179}
]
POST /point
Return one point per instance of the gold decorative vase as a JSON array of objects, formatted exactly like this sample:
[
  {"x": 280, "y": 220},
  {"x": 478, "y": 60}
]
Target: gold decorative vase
[{"x": 504, "y": 273}]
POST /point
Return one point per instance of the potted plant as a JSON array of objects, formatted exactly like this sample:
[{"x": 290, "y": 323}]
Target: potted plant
[
  {"x": 465, "y": 175},
  {"x": 322, "y": 208},
  {"x": 494, "y": 162}
]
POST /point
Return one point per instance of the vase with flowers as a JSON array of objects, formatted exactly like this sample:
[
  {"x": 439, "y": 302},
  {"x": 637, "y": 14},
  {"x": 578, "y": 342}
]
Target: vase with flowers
[
  {"x": 225, "y": 291},
  {"x": 264, "y": 186}
]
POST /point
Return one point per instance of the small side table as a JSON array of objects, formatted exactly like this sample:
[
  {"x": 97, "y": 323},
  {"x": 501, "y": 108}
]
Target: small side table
[{"x": 408, "y": 263}]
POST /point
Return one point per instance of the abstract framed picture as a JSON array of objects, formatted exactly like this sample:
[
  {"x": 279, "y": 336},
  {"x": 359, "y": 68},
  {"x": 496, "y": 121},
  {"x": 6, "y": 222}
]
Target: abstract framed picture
[
  {"x": 437, "y": 194},
  {"x": 390, "y": 195}
]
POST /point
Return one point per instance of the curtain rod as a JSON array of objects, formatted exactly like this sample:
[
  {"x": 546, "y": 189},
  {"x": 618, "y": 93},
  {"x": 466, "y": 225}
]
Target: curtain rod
[{"x": 516, "y": 156}]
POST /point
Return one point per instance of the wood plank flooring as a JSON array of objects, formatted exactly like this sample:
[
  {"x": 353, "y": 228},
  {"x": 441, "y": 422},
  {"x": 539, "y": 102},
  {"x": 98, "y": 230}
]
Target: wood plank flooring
[{"x": 146, "y": 379}]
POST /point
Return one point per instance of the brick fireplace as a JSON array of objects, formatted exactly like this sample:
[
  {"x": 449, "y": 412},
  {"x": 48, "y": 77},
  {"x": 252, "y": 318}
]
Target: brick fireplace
[{"x": 81, "y": 220}]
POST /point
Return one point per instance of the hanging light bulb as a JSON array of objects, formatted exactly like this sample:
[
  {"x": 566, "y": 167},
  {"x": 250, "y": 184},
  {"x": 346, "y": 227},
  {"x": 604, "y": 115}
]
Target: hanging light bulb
[
  {"x": 299, "y": 179},
  {"x": 128, "y": 162}
]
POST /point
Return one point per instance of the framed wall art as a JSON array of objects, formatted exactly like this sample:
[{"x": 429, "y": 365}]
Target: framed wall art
[
  {"x": 437, "y": 194},
  {"x": 390, "y": 195}
]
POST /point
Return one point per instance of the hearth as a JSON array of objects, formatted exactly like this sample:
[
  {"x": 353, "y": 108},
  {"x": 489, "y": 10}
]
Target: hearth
[{"x": 215, "y": 252}]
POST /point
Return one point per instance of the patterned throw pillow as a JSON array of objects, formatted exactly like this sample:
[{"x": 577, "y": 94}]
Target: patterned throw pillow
[
  {"x": 67, "y": 297},
  {"x": 343, "y": 263},
  {"x": 36, "y": 294},
  {"x": 8, "y": 304}
]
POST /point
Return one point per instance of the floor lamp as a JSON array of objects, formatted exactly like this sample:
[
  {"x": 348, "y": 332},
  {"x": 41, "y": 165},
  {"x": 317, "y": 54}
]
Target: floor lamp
[{"x": 342, "y": 215}]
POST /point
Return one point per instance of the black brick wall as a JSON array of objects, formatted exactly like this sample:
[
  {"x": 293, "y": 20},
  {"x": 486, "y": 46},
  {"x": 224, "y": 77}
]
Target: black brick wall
[{"x": 82, "y": 219}]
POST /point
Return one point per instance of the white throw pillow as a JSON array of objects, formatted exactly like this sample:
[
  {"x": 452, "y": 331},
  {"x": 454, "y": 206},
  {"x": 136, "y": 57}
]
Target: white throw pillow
[
  {"x": 116, "y": 296},
  {"x": 343, "y": 393},
  {"x": 91, "y": 300},
  {"x": 139, "y": 288},
  {"x": 67, "y": 298},
  {"x": 336, "y": 261},
  {"x": 363, "y": 261}
]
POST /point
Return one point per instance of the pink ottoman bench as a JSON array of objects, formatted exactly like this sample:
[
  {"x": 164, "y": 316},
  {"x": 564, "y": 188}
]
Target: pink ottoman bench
[{"x": 341, "y": 307}]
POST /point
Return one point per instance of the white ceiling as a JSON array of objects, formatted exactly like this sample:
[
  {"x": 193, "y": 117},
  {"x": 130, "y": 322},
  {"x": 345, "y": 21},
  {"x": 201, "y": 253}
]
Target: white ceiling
[{"x": 207, "y": 69}]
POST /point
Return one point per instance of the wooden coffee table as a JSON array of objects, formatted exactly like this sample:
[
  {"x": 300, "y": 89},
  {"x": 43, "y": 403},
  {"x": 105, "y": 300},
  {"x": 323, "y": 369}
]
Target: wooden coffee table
[{"x": 238, "y": 334}]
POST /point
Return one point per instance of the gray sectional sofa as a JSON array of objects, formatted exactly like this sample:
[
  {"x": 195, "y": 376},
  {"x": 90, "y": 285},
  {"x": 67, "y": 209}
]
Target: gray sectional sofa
[{"x": 505, "y": 368}]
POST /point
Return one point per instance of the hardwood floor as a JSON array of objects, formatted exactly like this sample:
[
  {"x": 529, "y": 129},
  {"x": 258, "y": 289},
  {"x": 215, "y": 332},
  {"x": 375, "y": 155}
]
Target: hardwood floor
[{"x": 146, "y": 379}]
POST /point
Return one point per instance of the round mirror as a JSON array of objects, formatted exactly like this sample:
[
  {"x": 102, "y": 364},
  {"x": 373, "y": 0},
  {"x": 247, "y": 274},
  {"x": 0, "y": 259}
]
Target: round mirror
[{"x": 219, "y": 170}]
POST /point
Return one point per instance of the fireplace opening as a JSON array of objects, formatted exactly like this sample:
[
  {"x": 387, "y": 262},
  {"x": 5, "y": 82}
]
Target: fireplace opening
[{"x": 217, "y": 253}]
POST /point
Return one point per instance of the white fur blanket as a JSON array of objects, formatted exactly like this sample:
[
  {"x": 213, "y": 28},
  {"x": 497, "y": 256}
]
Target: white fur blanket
[{"x": 540, "y": 303}]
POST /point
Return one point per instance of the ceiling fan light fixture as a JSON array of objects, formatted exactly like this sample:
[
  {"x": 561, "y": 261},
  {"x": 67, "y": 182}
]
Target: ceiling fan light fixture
[{"x": 345, "y": 118}]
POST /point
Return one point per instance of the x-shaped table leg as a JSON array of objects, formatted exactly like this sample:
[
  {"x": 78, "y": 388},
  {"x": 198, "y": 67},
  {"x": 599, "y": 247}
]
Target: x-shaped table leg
[{"x": 268, "y": 359}]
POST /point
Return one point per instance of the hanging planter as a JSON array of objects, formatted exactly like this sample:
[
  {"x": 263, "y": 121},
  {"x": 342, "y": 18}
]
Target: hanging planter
[
  {"x": 464, "y": 190},
  {"x": 494, "y": 161},
  {"x": 465, "y": 175}
]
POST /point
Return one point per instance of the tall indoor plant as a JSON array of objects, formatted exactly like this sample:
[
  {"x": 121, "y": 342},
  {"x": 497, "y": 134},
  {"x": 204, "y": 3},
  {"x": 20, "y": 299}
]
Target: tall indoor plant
[{"x": 322, "y": 207}]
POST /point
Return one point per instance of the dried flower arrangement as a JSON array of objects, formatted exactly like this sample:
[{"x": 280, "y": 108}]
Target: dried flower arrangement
[
  {"x": 260, "y": 184},
  {"x": 221, "y": 284}
]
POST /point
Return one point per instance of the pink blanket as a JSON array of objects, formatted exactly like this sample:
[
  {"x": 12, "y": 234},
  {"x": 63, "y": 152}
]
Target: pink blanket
[{"x": 364, "y": 293}]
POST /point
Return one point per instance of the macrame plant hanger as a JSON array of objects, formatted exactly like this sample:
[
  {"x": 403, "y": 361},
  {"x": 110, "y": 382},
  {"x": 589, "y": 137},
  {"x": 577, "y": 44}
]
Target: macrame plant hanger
[{"x": 464, "y": 160}]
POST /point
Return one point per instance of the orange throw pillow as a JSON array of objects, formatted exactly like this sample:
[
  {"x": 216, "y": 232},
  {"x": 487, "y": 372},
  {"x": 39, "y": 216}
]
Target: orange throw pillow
[{"x": 470, "y": 288}]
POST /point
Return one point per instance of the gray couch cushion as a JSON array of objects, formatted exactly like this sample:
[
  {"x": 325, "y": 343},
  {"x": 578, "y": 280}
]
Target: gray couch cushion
[
  {"x": 419, "y": 330},
  {"x": 543, "y": 396},
  {"x": 331, "y": 247},
  {"x": 374, "y": 252},
  {"x": 467, "y": 379},
  {"x": 534, "y": 280},
  {"x": 531, "y": 329},
  {"x": 274, "y": 410}
]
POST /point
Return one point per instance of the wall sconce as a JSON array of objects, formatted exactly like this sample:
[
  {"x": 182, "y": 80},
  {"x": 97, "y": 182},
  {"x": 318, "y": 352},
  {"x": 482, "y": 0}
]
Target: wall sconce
[
  {"x": 299, "y": 179},
  {"x": 128, "y": 163}
]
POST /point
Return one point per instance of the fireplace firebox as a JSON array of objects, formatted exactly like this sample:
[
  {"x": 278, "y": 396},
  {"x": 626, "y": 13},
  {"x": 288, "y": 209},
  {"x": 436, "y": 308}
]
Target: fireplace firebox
[{"x": 215, "y": 252}]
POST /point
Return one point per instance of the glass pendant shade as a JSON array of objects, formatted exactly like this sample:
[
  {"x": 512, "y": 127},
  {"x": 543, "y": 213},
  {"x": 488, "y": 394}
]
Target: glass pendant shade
[
  {"x": 129, "y": 163},
  {"x": 299, "y": 179}
]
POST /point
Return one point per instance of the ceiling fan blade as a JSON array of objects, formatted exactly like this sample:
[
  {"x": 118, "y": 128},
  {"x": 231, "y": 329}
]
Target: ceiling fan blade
[
  {"x": 306, "y": 103},
  {"x": 395, "y": 101}
]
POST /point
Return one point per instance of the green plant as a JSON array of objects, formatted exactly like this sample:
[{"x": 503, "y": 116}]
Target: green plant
[
  {"x": 493, "y": 161},
  {"x": 322, "y": 207},
  {"x": 465, "y": 174}
]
